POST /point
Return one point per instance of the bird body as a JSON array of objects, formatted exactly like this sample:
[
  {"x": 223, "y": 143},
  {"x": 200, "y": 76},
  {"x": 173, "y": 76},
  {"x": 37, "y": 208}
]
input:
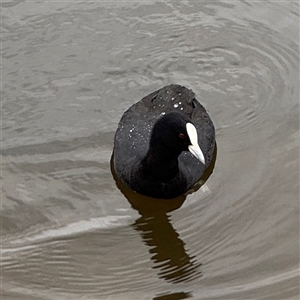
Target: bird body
[{"x": 158, "y": 140}]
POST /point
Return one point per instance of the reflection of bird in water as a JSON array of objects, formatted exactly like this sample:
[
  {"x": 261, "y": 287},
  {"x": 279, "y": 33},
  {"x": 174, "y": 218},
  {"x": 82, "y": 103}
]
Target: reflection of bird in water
[
  {"x": 169, "y": 254},
  {"x": 173, "y": 296},
  {"x": 168, "y": 250}
]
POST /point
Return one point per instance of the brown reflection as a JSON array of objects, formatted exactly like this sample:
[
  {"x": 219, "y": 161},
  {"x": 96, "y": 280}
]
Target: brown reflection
[
  {"x": 173, "y": 296},
  {"x": 168, "y": 251}
]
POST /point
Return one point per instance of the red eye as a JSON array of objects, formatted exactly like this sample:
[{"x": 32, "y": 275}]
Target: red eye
[{"x": 181, "y": 135}]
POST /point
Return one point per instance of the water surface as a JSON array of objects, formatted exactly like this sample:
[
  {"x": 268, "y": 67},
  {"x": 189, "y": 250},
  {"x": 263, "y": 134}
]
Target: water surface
[{"x": 70, "y": 70}]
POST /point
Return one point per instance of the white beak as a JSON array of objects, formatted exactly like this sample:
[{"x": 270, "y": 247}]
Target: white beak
[{"x": 194, "y": 147}]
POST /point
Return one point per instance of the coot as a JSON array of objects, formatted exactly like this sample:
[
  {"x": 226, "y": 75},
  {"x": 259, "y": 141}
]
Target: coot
[{"x": 164, "y": 143}]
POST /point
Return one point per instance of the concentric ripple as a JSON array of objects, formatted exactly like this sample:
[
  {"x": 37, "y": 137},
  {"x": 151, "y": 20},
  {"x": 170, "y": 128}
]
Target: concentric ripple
[{"x": 69, "y": 73}]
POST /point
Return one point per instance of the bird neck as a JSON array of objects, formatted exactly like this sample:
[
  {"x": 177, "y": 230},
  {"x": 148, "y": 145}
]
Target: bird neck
[{"x": 161, "y": 163}]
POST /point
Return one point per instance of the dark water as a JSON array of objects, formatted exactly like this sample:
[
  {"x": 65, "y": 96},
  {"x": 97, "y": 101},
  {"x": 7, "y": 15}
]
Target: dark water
[{"x": 70, "y": 70}]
